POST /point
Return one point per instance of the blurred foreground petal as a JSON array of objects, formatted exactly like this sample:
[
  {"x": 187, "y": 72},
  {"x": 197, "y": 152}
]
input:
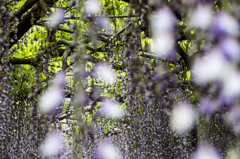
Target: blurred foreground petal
[
  {"x": 163, "y": 46},
  {"x": 231, "y": 49},
  {"x": 163, "y": 21},
  {"x": 112, "y": 109},
  {"x": 104, "y": 71},
  {"x": 56, "y": 18},
  {"x": 50, "y": 100},
  {"x": 93, "y": 7},
  {"x": 201, "y": 18},
  {"x": 52, "y": 145},
  {"x": 213, "y": 67},
  {"x": 105, "y": 150},
  {"x": 225, "y": 24},
  {"x": 206, "y": 152},
  {"x": 53, "y": 96},
  {"x": 182, "y": 118}
]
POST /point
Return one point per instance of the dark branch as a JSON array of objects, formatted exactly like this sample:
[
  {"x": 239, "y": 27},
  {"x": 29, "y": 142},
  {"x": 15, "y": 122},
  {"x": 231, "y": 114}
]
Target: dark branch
[
  {"x": 187, "y": 37},
  {"x": 184, "y": 55},
  {"x": 30, "y": 19},
  {"x": 100, "y": 16},
  {"x": 152, "y": 56},
  {"x": 64, "y": 59},
  {"x": 17, "y": 61},
  {"x": 26, "y": 6},
  {"x": 34, "y": 61}
]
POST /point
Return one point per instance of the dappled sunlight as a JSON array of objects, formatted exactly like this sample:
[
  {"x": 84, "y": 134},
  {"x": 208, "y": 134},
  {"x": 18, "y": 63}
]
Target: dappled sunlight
[{"x": 120, "y": 79}]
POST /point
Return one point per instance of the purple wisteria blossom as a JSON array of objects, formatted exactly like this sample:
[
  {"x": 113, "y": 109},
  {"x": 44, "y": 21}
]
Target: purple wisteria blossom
[{"x": 56, "y": 18}]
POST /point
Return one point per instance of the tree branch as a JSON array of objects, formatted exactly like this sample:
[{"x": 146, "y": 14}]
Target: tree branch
[
  {"x": 17, "y": 61},
  {"x": 30, "y": 19},
  {"x": 73, "y": 44},
  {"x": 152, "y": 56},
  {"x": 33, "y": 61},
  {"x": 100, "y": 16},
  {"x": 64, "y": 59},
  {"x": 26, "y": 6}
]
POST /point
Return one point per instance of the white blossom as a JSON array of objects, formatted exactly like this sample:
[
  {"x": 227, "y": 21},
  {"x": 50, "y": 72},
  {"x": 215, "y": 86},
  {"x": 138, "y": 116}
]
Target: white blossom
[
  {"x": 182, "y": 118},
  {"x": 213, "y": 67},
  {"x": 107, "y": 151},
  {"x": 231, "y": 85},
  {"x": 112, "y": 109},
  {"x": 56, "y": 18},
  {"x": 227, "y": 24},
  {"x": 206, "y": 152},
  {"x": 163, "y": 21},
  {"x": 53, "y": 96},
  {"x": 104, "y": 71},
  {"x": 50, "y": 100},
  {"x": 52, "y": 145},
  {"x": 163, "y": 45},
  {"x": 93, "y": 7},
  {"x": 231, "y": 49},
  {"x": 201, "y": 17}
]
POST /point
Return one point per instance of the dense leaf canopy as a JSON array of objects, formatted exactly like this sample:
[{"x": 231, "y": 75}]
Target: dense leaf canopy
[{"x": 110, "y": 79}]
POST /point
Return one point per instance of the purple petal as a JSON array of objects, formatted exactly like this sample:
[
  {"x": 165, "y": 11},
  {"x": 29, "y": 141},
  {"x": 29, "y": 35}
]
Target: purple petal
[{"x": 56, "y": 18}]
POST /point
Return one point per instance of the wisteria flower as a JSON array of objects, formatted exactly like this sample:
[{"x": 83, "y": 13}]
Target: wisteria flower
[
  {"x": 52, "y": 145},
  {"x": 201, "y": 17},
  {"x": 106, "y": 150},
  {"x": 225, "y": 24},
  {"x": 233, "y": 118},
  {"x": 112, "y": 109},
  {"x": 163, "y": 21},
  {"x": 104, "y": 71},
  {"x": 231, "y": 86},
  {"x": 53, "y": 96},
  {"x": 163, "y": 46},
  {"x": 231, "y": 49},
  {"x": 93, "y": 7},
  {"x": 206, "y": 152},
  {"x": 213, "y": 67},
  {"x": 56, "y": 18},
  {"x": 182, "y": 118},
  {"x": 50, "y": 100},
  {"x": 104, "y": 23}
]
